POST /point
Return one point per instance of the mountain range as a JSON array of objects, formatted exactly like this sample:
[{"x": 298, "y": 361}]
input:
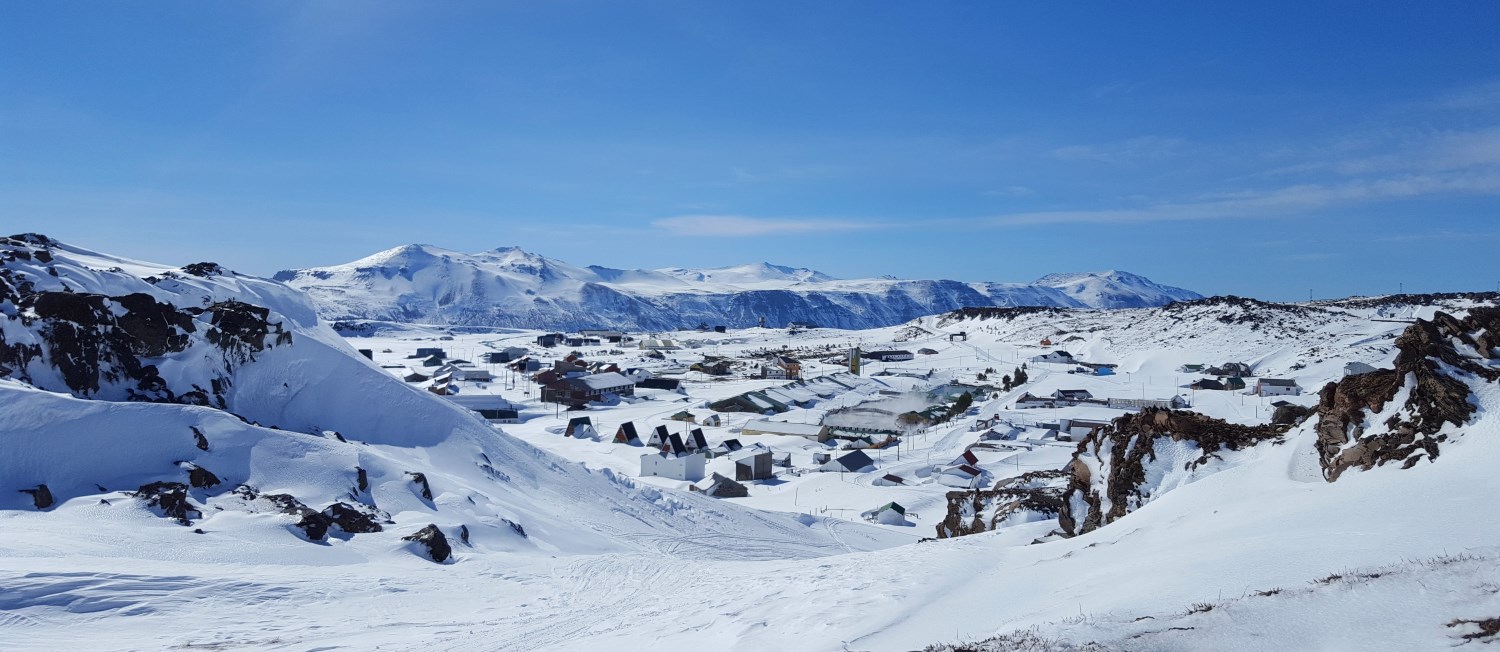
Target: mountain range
[{"x": 508, "y": 287}]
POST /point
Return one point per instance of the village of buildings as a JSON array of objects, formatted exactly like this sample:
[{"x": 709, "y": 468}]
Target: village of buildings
[{"x": 877, "y": 425}]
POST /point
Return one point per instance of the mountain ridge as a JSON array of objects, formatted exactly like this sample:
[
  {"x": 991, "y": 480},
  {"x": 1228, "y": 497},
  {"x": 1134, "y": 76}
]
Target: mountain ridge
[{"x": 510, "y": 287}]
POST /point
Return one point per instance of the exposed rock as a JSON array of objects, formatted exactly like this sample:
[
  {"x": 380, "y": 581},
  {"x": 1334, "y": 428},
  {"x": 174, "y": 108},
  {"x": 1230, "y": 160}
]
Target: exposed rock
[
  {"x": 971, "y": 512},
  {"x": 242, "y": 330},
  {"x": 420, "y": 480},
  {"x": 1291, "y": 414},
  {"x": 1427, "y": 359},
  {"x": 41, "y": 496},
  {"x": 362, "y": 479},
  {"x": 1121, "y": 451},
  {"x": 351, "y": 518},
  {"x": 172, "y": 499},
  {"x": 313, "y": 524},
  {"x": 515, "y": 527},
  {"x": 201, "y": 478},
  {"x": 434, "y": 541},
  {"x": 199, "y": 440},
  {"x": 205, "y": 269}
]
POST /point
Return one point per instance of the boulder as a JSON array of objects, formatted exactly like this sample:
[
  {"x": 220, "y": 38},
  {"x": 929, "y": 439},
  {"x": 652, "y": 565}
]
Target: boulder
[
  {"x": 41, "y": 496},
  {"x": 433, "y": 542}
]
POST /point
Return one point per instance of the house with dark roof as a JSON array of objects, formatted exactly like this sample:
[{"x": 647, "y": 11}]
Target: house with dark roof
[
  {"x": 755, "y": 464},
  {"x": 626, "y": 434},
  {"x": 586, "y": 389},
  {"x": 1059, "y": 357},
  {"x": 674, "y": 461},
  {"x": 1276, "y": 387},
  {"x": 855, "y": 461},
  {"x": 580, "y": 427},
  {"x": 887, "y": 514},
  {"x": 1072, "y": 395}
]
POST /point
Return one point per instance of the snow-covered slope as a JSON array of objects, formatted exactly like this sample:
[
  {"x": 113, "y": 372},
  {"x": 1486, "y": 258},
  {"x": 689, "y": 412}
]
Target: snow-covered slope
[
  {"x": 134, "y": 391},
  {"x": 512, "y": 288}
]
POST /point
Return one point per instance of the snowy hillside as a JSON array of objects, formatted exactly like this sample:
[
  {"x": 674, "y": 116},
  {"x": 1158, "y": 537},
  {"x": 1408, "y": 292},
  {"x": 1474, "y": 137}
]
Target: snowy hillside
[
  {"x": 220, "y": 403},
  {"x": 508, "y": 287},
  {"x": 1353, "y": 514}
]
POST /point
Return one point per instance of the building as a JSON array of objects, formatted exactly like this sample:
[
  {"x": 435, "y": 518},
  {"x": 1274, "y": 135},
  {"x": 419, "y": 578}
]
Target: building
[
  {"x": 1060, "y": 357},
  {"x": 658, "y": 344},
  {"x": 753, "y": 402},
  {"x": 1071, "y": 429},
  {"x": 1276, "y": 387},
  {"x": 727, "y": 447},
  {"x": 1357, "y": 368},
  {"x": 889, "y": 356},
  {"x": 508, "y": 354},
  {"x": 719, "y": 486},
  {"x": 608, "y": 336},
  {"x": 1207, "y": 383},
  {"x": 855, "y": 461},
  {"x": 494, "y": 409},
  {"x": 1072, "y": 395},
  {"x": 961, "y": 336},
  {"x": 1231, "y": 369},
  {"x": 582, "y": 341},
  {"x": 695, "y": 441},
  {"x": 756, "y": 464},
  {"x": 586, "y": 389},
  {"x": 1174, "y": 403},
  {"x": 550, "y": 340},
  {"x": 815, "y": 432},
  {"x": 887, "y": 514},
  {"x": 962, "y": 476},
  {"x": 626, "y": 434},
  {"x": 1233, "y": 383},
  {"x": 889, "y": 480},
  {"x": 427, "y": 352},
  {"x": 673, "y": 461},
  {"x": 580, "y": 427},
  {"x": 659, "y": 437},
  {"x": 1028, "y": 400},
  {"x": 714, "y": 368},
  {"x": 668, "y": 384},
  {"x": 473, "y": 374}
]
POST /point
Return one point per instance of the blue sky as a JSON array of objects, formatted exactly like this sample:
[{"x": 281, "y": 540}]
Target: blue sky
[{"x": 1266, "y": 148}]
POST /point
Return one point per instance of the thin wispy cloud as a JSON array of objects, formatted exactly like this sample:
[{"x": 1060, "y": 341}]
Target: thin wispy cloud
[
  {"x": 738, "y": 225},
  {"x": 1144, "y": 148},
  {"x": 1271, "y": 203}
]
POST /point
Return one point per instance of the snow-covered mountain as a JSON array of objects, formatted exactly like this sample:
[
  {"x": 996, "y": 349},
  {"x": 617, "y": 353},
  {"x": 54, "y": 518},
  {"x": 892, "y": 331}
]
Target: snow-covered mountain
[
  {"x": 136, "y": 398},
  {"x": 509, "y": 287}
]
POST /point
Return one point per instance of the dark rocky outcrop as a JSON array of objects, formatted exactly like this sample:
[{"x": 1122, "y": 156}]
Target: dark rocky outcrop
[
  {"x": 971, "y": 512},
  {"x": 313, "y": 524},
  {"x": 103, "y": 346},
  {"x": 199, "y": 440},
  {"x": 205, "y": 269},
  {"x": 201, "y": 478},
  {"x": 41, "y": 497},
  {"x": 354, "y": 519},
  {"x": 171, "y": 498},
  {"x": 433, "y": 541},
  {"x": 361, "y": 480},
  {"x": 420, "y": 479},
  {"x": 1123, "y": 449},
  {"x": 1427, "y": 363},
  {"x": 1291, "y": 414}
]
